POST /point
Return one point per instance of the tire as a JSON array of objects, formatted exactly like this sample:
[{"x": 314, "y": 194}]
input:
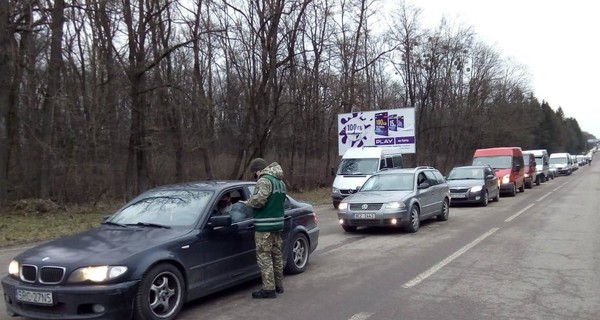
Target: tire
[
  {"x": 485, "y": 199},
  {"x": 538, "y": 180},
  {"x": 349, "y": 228},
  {"x": 298, "y": 255},
  {"x": 445, "y": 211},
  {"x": 522, "y": 187},
  {"x": 513, "y": 192},
  {"x": 160, "y": 295},
  {"x": 414, "y": 221}
]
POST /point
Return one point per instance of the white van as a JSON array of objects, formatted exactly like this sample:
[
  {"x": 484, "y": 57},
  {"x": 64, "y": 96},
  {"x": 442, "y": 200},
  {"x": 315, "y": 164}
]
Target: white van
[
  {"x": 358, "y": 164},
  {"x": 542, "y": 165},
  {"x": 562, "y": 162}
]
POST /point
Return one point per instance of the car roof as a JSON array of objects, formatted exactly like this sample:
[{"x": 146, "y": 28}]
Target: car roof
[
  {"x": 473, "y": 167},
  {"x": 405, "y": 170},
  {"x": 210, "y": 185}
]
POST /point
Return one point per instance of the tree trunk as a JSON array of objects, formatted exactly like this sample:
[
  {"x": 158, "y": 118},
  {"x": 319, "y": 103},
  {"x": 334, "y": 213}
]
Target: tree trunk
[
  {"x": 5, "y": 77},
  {"x": 50, "y": 97}
]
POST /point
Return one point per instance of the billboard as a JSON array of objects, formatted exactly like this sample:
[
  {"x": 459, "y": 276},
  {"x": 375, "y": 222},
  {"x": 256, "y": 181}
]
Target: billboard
[{"x": 380, "y": 128}]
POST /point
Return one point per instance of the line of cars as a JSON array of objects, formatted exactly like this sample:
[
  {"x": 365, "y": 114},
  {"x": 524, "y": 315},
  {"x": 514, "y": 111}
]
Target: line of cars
[{"x": 404, "y": 197}]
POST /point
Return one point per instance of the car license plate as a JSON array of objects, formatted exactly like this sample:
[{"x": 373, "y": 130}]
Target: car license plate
[
  {"x": 364, "y": 216},
  {"x": 458, "y": 195},
  {"x": 34, "y": 297}
]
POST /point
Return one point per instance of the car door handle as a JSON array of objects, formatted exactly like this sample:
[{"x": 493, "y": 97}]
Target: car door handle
[{"x": 250, "y": 226}]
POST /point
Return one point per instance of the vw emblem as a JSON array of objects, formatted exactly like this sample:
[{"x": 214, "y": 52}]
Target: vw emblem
[{"x": 365, "y": 206}]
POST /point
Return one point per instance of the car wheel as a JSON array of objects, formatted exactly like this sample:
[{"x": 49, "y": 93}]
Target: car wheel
[
  {"x": 445, "y": 211},
  {"x": 522, "y": 187},
  {"x": 497, "y": 197},
  {"x": 414, "y": 221},
  {"x": 297, "y": 257},
  {"x": 160, "y": 294},
  {"x": 513, "y": 192},
  {"x": 349, "y": 228},
  {"x": 485, "y": 199}
]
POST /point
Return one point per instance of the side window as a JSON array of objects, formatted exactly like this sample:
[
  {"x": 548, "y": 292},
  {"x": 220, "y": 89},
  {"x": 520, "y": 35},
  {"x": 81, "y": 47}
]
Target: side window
[
  {"x": 438, "y": 175},
  {"x": 421, "y": 178},
  {"x": 386, "y": 163},
  {"x": 397, "y": 160},
  {"x": 431, "y": 178}
]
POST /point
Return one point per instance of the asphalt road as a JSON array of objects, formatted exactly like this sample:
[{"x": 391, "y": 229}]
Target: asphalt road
[{"x": 533, "y": 256}]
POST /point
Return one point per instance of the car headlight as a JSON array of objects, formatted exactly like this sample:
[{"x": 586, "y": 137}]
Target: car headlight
[
  {"x": 527, "y": 175},
  {"x": 476, "y": 189},
  {"x": 335, "y": 190},
  {"x": 395, "y": 205},
  {"x": 343, "y": 206},
  {"x": 13, "y": 268},
  {"x": 506, "y": 178},
  {"x": 97, "y": 274}
]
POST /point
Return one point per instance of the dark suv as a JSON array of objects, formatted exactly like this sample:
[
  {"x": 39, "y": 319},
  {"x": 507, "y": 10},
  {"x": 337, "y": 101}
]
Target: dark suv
[{"x": 397, "y": 198}]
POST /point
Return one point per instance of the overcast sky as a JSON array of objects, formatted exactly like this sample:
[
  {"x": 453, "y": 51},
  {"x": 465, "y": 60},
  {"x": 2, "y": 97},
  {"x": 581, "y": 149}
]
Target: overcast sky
[{"x": 558, "y": 41}]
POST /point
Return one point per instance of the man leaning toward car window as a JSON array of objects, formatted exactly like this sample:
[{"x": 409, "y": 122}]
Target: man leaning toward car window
[{"x": 268, "y": 203}]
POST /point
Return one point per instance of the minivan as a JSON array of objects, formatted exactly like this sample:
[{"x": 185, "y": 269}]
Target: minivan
[
  {"x": 542, "y": 168},
  {"x": 529, "y": 161},
  {"x": 562, "y": 162},
  {"x": 358, "y": 164},
  {"x": 508, "y": 165}
]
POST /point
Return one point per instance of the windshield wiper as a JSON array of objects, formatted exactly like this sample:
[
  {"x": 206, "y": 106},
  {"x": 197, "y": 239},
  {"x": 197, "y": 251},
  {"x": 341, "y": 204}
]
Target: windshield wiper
[
  {"x": 115, "y": 224},
  {"x": 149, "y": 224}
]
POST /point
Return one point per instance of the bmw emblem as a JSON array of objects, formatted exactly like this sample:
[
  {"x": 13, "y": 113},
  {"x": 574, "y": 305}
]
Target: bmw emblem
[{"x": 365, "y": 206}]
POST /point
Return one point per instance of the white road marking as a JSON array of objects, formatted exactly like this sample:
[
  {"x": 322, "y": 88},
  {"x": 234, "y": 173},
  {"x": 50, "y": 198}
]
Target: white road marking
[
  {"x": 361, "y": 316},
  {"x": 562, "y": 185},
  {"x": 446, "y": 261},
  {"x": 544, "y": 196},
  {"x": 519, "y": 213}
]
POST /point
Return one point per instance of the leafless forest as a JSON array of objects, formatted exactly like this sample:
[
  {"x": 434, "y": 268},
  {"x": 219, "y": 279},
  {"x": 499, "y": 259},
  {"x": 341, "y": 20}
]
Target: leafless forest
[{"x": 106, "y": 98}]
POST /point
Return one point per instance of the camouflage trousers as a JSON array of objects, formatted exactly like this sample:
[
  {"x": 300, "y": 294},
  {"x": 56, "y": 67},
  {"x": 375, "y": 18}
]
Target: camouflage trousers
[{"x": 270, "y": 261}]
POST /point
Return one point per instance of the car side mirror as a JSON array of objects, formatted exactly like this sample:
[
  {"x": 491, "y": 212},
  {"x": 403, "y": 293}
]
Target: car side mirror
[
  {"x": 423, "y": 185},
  {"x": 219, "y": 221},
  {"x": 105, "y": 217},
  {"x": 489, "y": 177},
  {"x": 518, "y": 167}
]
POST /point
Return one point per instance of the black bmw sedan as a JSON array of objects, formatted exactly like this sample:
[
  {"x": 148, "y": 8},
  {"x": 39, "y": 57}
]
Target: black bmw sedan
[{"x": 165, "y": 247}]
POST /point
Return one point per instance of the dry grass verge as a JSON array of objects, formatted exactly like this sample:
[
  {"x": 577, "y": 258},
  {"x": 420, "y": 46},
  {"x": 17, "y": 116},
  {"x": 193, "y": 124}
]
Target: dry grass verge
[{"x": 33, "y": 220}]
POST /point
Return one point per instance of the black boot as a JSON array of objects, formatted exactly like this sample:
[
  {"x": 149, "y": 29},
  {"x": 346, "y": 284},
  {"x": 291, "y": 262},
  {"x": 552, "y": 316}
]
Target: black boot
[
  {"x": 279, "y": 289},
  {"x": 264, "y": 294}
]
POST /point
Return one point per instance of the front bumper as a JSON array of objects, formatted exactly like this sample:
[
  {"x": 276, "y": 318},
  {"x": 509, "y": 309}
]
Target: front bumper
[
  {"x": 374, "y": 219},
  {"x": 465, "y": 196},
  {"x": 72, "y": 302}
]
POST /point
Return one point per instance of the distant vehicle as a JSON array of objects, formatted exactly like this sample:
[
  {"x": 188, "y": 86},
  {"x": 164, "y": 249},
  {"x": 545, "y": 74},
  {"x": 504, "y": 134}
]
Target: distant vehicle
[
  {"x": 574, "y": 163},
  {"x": 530, "y": 169},
  {"x": 358, "y": 164},
  {"x": 397, "y": 198},
  {"x": 582, "y": 160},
  {"x": 542, "y": 165},
  {"x": 473, "y": 184},
  {"x": 562, "y": 162},
  {"x": 162, "y": 249},
  {"x": 508, "y": 166}
]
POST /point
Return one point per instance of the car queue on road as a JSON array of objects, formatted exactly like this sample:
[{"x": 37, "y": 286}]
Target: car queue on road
[{"x": 404, "y": 197}]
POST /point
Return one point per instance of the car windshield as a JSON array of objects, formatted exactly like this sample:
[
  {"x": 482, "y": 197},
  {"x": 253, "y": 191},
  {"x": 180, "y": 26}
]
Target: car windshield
[
  {"x": 170, "y": 208},
  {"x": 358, "y": 166},
  {"x": 496, "y": 162},
  {"x": 465, "y": 173},
  {"x": 389, "y": 182},
  {"x": 558, "y": 161}
]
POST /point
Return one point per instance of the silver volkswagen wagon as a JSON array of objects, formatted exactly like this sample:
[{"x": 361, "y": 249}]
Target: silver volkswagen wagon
[{"x": 397, "y": 198}]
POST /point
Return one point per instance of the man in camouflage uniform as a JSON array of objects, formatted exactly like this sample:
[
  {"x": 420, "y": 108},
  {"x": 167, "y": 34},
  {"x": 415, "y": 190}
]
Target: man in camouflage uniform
[{"x": 268, "y": 200}]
